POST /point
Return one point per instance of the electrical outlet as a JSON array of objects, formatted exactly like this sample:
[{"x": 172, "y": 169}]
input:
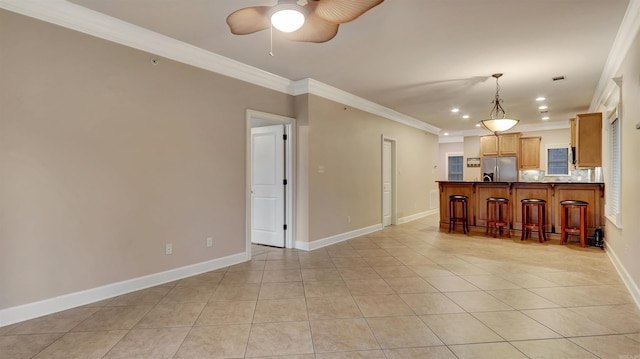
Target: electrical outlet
[
  {"x": 168, "y": 249},
  {"x": 210, "y": 242}
]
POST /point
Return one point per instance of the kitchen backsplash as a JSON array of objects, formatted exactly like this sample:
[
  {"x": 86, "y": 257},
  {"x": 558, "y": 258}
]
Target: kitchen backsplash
[{"x": 581, "y": 175}]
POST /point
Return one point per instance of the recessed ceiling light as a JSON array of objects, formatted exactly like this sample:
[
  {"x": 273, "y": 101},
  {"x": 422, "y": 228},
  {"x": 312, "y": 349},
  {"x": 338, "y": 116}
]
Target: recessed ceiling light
[
  {"x": 543, "y": 107},
  {"x": 465, "y": 116},
  {"x": 455, "y": 110},
  {"x": 477, "y": 125},
  {"x": 545, "y": 118},
  {"x": 541, "y": 99},
  {"x": 446, "y": 133}
]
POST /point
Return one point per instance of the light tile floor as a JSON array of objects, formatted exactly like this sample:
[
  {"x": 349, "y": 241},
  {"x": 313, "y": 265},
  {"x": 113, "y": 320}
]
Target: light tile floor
[{"x": 408, "y": 291}]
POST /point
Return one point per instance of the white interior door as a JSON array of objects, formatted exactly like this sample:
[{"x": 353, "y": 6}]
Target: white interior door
[
  {"x": 267, "y": 186},
  {"x": 387, "y": 184}
]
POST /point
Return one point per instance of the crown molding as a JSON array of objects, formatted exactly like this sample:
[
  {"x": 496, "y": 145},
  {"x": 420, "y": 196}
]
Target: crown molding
[
  {"x": 450, "y": 139},
  {"x": 318, "y": 88},
  {"x": 624, "y": 39},
  {"x": 87, "y": 21},
  {"x": 81, "y": 19}
]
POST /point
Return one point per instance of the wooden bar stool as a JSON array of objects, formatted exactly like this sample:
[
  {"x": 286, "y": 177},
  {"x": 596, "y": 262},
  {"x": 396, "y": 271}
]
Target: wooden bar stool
[
  {"x": 529, "y": 205},
  {"x": 453, "y": 219},
  {"x": 496, "y": 206},
  {"x": 566, "y": 207}
]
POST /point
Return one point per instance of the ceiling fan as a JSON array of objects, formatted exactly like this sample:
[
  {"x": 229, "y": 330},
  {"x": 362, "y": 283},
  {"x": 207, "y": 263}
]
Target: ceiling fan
[{"x": 317, "y": 20}]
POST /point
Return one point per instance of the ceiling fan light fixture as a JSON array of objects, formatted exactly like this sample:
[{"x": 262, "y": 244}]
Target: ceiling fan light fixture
[
  {"x": 498, "y": 121},
  {"x": 287, "y": 16}
]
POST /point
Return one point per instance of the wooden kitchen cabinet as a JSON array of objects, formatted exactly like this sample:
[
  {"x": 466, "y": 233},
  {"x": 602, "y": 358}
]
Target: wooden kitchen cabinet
[
  {"x": 501, "y": 145},
  {"x": 509, "y": 144},
  {"x": 489, "y": 145},
  {"x": 586, "y": 139},
  {"x": 530, "y": 153}
]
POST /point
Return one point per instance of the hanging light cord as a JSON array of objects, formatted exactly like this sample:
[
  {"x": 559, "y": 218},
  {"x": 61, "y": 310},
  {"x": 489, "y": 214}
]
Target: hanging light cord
[
  {"x": 271, "y": 40},
  {"x": 497, "y": 108}
]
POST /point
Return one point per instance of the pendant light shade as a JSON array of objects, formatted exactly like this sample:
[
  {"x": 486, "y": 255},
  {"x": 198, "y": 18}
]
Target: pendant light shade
[
  {"x": 498, "y": 121},
  {"x": 499, "y": 124}
]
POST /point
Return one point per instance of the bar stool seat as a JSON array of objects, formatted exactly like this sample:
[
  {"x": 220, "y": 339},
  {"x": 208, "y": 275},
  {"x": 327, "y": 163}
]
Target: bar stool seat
[
  {"x": 496, "y": 207},
  {"x": 454, "y": 200},
  {"x": 529, "y": 205},
  {"x": 581, "y": 229}
]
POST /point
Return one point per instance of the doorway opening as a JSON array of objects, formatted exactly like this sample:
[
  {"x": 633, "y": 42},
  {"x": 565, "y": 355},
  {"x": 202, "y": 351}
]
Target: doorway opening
[
  {"x": 269, "y": 180},
  {"x": 389, "y": 182}
]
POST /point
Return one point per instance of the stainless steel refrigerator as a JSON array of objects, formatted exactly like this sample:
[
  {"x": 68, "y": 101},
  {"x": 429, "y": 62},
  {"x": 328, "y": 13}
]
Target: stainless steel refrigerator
[{"x": 500, "y": 169}]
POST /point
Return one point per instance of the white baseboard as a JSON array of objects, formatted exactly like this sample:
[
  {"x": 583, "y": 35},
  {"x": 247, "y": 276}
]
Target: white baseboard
[
  {"x": 309, "y": 246},
  {"x": 52, "y": 305},
  {"x": 624, "y": 275},
  {"x": 48, "y": 306},
  {"x": 416, "y": 216}
]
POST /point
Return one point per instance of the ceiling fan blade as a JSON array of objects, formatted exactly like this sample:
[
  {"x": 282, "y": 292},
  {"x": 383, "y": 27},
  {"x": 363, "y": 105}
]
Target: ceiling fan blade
[
  {"x": 249, "y": 20},
  {"x": 341, "y": 11},
  {"x": 315, "y": 29}
]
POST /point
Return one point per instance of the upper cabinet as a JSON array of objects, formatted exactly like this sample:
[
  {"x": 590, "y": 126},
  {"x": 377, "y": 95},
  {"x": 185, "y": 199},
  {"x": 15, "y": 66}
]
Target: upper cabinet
[
  {"x": 529, "y": 153},
  {"x": 489, "y": 145},
  {"x": 501, "y": 145},
  {"x": 586, "y": 140},
  {"x": 509, "y": 144}
]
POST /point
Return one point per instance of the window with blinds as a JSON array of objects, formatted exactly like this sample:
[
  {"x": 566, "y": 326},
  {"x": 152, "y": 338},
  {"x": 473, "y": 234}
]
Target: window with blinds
[
  {"x": 454, "y": 168},
  {"x": 557, "y": 160},
  {"x": 614, "y": 169}
]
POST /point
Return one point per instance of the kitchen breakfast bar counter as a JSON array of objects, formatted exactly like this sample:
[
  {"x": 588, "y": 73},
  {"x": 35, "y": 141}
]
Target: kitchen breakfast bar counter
[{"x": 552, "y": 192}]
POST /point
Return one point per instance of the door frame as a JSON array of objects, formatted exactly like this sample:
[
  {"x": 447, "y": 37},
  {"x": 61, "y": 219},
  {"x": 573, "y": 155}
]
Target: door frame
[
  {"x": 256, "y": 119},
  {"x": 394, "y": 180}
]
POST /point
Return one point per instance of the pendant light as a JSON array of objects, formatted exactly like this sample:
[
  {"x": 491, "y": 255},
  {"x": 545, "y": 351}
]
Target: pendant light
[{"x": 498, "y": 121}]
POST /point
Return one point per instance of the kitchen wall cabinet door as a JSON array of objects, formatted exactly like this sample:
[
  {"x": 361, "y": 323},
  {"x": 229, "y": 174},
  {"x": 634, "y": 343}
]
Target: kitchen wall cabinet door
[
  {"x": 509, "y": 144},
  {"x": 530, "y": 153},
  {"x": 588, "y": 140},
  {"x": 489, "y": 145}
]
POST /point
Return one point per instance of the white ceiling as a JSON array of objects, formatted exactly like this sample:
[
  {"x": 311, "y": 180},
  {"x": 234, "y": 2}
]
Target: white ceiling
[{"x": 421, "y": 57}]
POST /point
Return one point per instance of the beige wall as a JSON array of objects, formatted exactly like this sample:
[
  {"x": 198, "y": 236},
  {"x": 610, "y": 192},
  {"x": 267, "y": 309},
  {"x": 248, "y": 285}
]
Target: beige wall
[
  {"x": 105, "y": 157},
  {"x": 346, "y": 142},
  {"x": 302, "y": 168},
  {"x": 624, "y": 242}
]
